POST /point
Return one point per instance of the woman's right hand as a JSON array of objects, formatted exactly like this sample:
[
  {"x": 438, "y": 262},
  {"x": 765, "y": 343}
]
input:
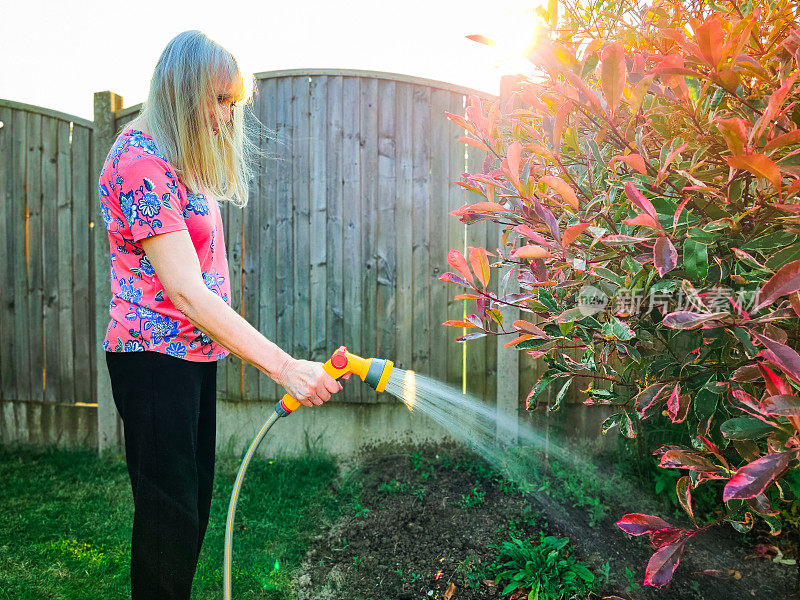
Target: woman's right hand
[{"x": 307, "y": 382}]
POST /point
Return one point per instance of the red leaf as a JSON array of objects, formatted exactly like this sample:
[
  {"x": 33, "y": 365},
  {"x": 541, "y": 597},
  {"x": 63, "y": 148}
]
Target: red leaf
[
  {"x": 473, "y": 142},
  {"x": 634, "y": 161},
  {"x": 782, "y": 356},
  {"x": 776, "y": 384},
  {"x": 677, "y": 405},
  {"x": 683, "y": 319},
  {"x": 638, "y": 199},
  {"x": 529, "y": 327},
  {"x": 753, "y": 478},
  {"x": 782, "y": 405},
  {"x": 644, "y": 220},
  {"x": 666, "y": 536},
  {"x": 649, "y": 398},
  {"x": 513, "y": 160},
  {"x": 710, "y": 39},
  {"x": 785, "y": 281},
  {"x": 681, "y": 459},
  {"x": 517, "y": 340},
  {"x": 480, "y": 264},
  {"x": 664, "y": 255},
  {"x": 563, "y": 188},
  {"x": 572, "y": 233},
  {"x": 456, "y": 260},
  {"x": 662, "y": 564},
  {"x": 481, "y": 39},
  {"x": 459, "y": 324},
  {"x": 612, "y": 74},
  {"x": 453, "y": 278},
  {"x": 638, "y": 524},
  {"x": 793, "y": 137},
  {"x": 759, "y": 165},
  {"x": 734, "y": 132},
  {"x": 531, "y": 251},
  {"x": 678, "y": 211},
  {"x": 683, "y": 489}
]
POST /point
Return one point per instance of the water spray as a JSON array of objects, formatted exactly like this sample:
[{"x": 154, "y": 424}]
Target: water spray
[{"x": 375, "y": 372}]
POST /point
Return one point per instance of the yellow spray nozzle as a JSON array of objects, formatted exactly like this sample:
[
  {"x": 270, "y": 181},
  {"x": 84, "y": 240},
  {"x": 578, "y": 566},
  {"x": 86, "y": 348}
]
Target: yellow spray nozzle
[{"x": 372, "y": 371}]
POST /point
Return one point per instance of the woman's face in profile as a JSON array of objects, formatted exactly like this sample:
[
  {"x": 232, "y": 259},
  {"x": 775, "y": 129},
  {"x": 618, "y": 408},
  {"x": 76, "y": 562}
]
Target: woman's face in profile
[{"x": 226, "y": 104}]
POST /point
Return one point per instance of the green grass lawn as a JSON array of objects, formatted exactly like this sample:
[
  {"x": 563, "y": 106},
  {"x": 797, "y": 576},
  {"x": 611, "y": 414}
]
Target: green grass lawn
[{"x": 66, "y": 516}]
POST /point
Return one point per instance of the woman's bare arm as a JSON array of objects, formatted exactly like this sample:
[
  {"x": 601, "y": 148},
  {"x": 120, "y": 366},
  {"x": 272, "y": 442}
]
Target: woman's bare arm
[{"x": 175, "y": 262}]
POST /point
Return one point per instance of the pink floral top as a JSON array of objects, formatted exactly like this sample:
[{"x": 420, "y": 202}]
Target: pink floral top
[{"x": 140, "y": 196}]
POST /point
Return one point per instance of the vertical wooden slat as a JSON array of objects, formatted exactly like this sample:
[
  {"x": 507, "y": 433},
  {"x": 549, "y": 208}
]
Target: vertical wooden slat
[
  {"x": 301, "y": 225},
  {"x": 440, "y": 185},
  {"x": 268, "y": 257},
  {"x": 386, "y": 262},
  {"x": 455, "y": 240},
  {"x": 490, "y": 387},
  {"x": 403, "y": 209},
  {"x": 368, "y": 164},
  {"x": 8, "y": 376},
  {"x": 82, "y": 276},
  {"x": 66, "y": 256},
  {"x": 334, "y": 314},
  {"x": 284, "y": 250},
  {"x": 49, "y": 244},
  {"x": 33, "y": 237},
  {"x": 476, "y": 236},
  {"x": 251, "y": 257},
  {"x": 420, "y": 175},
  {"x": 21, "y": 323},
  {"x": 233, "y": 246},
  {"x": 351, "y": 217},
  {"x": 320, "y": 348}
]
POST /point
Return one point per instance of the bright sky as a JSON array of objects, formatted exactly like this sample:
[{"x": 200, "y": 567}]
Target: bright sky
[{"x": 56, "y": 54}]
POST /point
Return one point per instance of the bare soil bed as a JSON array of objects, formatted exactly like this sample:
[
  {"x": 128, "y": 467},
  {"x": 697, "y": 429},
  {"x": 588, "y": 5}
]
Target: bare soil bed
[{"x": 427, "y": 519}]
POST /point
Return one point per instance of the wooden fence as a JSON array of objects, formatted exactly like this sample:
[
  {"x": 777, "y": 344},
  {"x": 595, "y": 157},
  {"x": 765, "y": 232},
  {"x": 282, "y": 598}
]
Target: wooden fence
[
  {"x": 47, "y": 195},
  {"x": 342, "y": 242},
  {"x": 347, "y": 227}
]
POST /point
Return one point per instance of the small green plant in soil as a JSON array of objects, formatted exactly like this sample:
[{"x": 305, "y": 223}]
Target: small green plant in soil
[
  {"x": 472, "y": 499},
  {"x": 548, "y": 568}
]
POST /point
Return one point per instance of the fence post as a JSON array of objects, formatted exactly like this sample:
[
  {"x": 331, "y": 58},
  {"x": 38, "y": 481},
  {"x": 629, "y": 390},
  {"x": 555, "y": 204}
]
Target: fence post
[
  {"x": 108, "y": 435},
  {"x": 507, "y": 358}
]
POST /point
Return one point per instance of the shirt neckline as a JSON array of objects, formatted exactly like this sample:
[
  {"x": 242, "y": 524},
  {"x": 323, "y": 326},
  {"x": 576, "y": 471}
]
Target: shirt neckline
[{"x": 133, "y": 131}]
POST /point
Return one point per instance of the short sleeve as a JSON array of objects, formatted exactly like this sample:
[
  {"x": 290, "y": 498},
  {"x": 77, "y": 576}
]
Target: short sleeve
[{"x": 149, "y": 197}]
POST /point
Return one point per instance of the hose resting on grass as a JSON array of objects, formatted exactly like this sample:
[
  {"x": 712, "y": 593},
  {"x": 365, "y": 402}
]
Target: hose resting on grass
[{"x": 226, "y": 578}]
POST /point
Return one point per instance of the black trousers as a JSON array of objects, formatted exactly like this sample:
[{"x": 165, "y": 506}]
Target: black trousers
[{"x": 168, "y": 407}]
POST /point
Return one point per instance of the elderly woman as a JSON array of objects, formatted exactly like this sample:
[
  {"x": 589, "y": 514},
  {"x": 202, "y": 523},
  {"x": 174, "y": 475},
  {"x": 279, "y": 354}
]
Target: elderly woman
[{"x": 171, "y": 319}]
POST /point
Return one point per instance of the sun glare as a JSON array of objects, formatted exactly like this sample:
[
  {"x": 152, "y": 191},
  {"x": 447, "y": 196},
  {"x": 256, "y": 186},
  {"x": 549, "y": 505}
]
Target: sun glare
[{"x": 514, "y": 28}]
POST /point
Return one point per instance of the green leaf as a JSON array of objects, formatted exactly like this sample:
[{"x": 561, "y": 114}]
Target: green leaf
[
  {"x": 705, "y": 401},
  {"x": 616, "y": 329},
  {"x": 560, "y": 396},
  {"x": 745, "y": 428},
  {"x": 695, "y": 259}
]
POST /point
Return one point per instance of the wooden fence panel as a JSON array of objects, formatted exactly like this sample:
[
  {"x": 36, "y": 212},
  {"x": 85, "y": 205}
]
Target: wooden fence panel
[
  {"x": 268, "y": 200},
  {"x": 64, "y": 206},
  {"x": 251, "y": 257},
  {"x": 8, "y": 343},
  {"x": 33, "y": 239},
  {"x": 84, "y": 214},
  {"x": 50, "y": 243},
  {"x": 386, "y": 265},
  {"x": 320, "y": 346},
  {"x": 334, "y": 313},
  {"x": 404, "y": 300}
]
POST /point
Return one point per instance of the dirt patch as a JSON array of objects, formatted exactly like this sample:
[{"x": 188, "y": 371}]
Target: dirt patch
[{"x": 423, "y": 518}]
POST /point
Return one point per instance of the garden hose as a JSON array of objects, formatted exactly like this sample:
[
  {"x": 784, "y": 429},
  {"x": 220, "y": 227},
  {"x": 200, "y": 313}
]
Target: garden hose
[{"x": 372, "y": 371}]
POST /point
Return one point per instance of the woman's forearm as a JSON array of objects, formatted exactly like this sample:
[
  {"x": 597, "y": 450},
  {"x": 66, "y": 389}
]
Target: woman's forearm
[{"x": 211, "y": 315}]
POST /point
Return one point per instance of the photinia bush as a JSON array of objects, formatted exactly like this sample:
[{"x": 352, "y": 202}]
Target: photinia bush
[{"x": 647, "y": 174}]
